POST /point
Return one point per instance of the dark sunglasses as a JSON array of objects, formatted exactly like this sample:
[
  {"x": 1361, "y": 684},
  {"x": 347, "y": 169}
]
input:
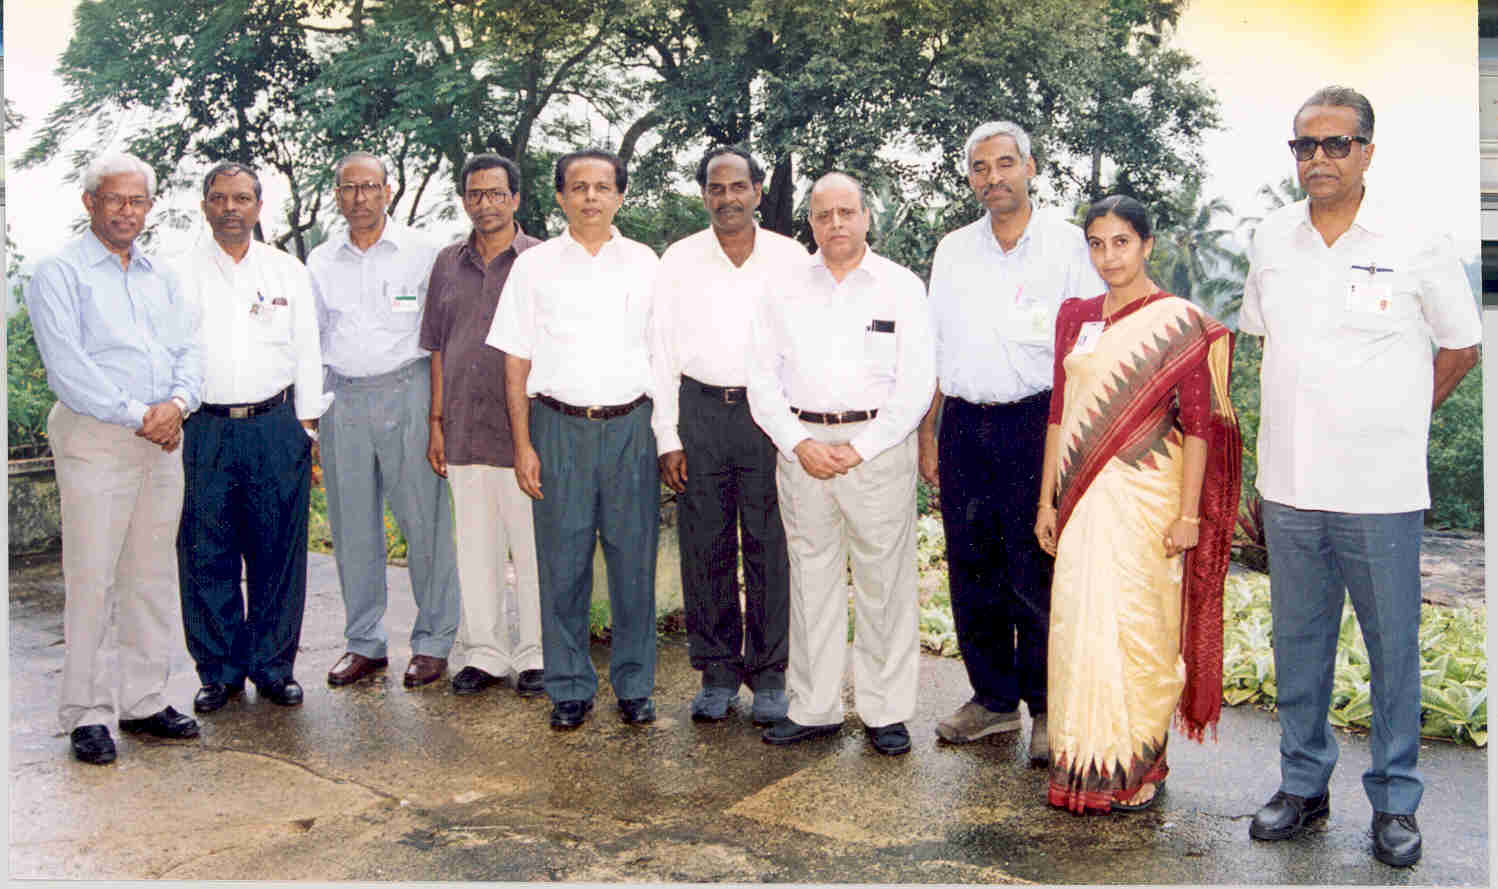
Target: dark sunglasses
[{"x": 1334, "y": 147}]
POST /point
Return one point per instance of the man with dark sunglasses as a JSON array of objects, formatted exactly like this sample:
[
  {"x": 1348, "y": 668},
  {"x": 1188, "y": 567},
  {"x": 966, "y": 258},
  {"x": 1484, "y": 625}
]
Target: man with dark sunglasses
[{"x": 1348, "y": 298}]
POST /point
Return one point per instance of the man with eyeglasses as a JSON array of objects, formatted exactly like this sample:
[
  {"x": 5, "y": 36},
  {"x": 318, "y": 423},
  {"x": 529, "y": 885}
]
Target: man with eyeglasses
[
  {"x": 469, "y": 434},
  {"x": 719, "y": 462},
  {"x": 371, "y": 284},
  {"x": 1348, "y": 297},
  {"x": 572, "y": 324},
  {"x": 119, "y": 340},
  {"x": 841, "y": 369},
  {"x": 247, "y": 451}
]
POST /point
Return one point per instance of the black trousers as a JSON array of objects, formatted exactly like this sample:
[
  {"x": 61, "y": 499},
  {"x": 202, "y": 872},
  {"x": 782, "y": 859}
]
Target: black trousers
[
  {"x": 989, "y": 463},
  {"x": 731, "y": 489},
  {"x": 247, "y": 484}
]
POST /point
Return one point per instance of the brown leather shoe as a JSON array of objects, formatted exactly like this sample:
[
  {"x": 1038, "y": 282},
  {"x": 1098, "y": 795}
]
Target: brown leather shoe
[
  {"x": 424, "y": 669},
  {"x": 353, "y": 667}
]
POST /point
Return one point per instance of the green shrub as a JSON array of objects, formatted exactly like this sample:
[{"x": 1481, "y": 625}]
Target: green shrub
[
  {"x": 26, "y": 389},
  {"x": 1454, "y": 460}
]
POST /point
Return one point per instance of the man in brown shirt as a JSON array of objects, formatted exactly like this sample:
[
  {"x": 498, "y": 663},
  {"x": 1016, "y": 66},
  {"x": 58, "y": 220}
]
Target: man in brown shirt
[{"x": 470, "y": 434}]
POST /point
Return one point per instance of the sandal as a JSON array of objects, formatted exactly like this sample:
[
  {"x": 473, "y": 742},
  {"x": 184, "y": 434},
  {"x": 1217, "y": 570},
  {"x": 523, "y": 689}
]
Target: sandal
[{"x": 1140, "y": 807}]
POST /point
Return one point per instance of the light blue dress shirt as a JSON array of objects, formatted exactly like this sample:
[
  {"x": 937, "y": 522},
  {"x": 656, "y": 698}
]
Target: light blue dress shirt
[{"x": 115, "y": 340}]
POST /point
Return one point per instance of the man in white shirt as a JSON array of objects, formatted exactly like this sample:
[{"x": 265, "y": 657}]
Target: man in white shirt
[
  {"x": 713, "y": 455},
  {"x": 842, "y": 370},
  {"x": 371, "y": 285},
  {"x": 995, "y": 287},
  {"x": 247, "y": 451},
  {"x": 1348, "y": 298},
  {"x": 573, "y": 324}
]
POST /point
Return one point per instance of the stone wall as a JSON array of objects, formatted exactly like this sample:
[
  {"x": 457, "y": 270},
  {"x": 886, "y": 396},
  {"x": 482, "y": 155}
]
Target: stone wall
[{"x": 35, "y": 510}]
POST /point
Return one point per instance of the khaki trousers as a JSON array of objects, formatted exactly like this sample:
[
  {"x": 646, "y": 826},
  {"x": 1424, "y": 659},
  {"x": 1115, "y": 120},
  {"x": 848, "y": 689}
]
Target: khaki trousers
[
  {"x": 493, "y": 519},
  {"x": 867, "y": 514},
  {"x": 121, "y": 502}
]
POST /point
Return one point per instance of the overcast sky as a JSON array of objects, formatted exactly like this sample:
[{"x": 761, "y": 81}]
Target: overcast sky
[{"x": 1416, "y": 62}]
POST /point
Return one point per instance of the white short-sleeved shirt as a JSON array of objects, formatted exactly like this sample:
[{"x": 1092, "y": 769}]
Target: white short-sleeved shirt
[
  {"x": 1348, "y": 368},
  {"x": 258, "y": 325},
  {"x": 704, "y": 305},
  {"x": 580, "y": 319},
  {"x": 821, "y": 345},
  {"x": 994, "y": 312},
  {"x": 369, "y": 302}
]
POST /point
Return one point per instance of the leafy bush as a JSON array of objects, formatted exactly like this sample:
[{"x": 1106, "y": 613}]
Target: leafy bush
[
  {"x": 1454, "y": 461},
  {"x": 26, "y": 387},
  {"x": 1453, "y": 658}
]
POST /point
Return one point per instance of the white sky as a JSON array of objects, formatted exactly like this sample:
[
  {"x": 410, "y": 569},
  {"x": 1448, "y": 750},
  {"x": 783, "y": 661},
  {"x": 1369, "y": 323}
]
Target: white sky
[{"x": 1416, "y": 62}]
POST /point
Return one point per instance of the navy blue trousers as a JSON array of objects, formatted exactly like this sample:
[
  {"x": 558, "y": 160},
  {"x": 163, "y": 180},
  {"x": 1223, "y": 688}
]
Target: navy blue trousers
[
  {"x": 245, "y": 505},
  {"x": 989, "y": 462}
]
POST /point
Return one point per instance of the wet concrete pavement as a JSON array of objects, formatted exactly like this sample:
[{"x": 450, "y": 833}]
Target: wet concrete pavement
[{"x": 377, "y": 782}]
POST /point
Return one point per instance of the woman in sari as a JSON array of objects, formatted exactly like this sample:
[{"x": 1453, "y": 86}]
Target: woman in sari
[{"x": 1138, "y": 499}]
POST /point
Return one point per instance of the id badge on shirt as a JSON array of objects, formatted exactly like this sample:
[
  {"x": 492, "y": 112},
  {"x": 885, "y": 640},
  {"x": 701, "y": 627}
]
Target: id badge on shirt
[
  {"x": 1374, "y": 297},
  {"x": 1087, "y": 339},
  {"x": 404, "y": 303}
]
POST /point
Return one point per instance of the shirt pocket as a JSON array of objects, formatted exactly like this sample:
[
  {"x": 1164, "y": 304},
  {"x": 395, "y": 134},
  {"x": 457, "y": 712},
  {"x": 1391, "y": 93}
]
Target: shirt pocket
[
  {"x": 880, "y": 347},
  {"x": 398, "y": 305},
  {"x": 275, "y": 328}
]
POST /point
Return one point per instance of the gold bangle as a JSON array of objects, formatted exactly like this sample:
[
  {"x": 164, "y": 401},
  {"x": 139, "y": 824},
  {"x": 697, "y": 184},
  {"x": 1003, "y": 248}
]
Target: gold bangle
[
  {"x": 434, "y": 418},
  {"x": 1191, "y": 521}
]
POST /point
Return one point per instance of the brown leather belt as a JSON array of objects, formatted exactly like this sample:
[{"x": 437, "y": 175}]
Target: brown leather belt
[
  {"x": 245, "y": 411},
  {"x": 596, "y": 412},
  {"x": 725, "y": 394},
  {"x": 834, "y": 419}
]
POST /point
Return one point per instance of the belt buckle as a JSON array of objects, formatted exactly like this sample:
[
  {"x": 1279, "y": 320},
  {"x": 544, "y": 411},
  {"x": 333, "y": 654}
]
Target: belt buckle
[
  {"x": 833, "y": 419},
  {"x": 239, "y": 413},
  {"x": 593, "y": 413}
]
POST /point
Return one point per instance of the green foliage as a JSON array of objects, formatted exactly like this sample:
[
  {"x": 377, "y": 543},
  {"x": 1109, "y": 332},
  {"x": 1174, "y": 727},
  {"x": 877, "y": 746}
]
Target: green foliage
[
  {"x": 320, "y": 533},
  {"x": 29, "y": 399},
  {"x": 669, "y": 218},
  {"x": 1453, "y": 658},
  {"x": 1243, "y": 391},
  {"x": 1454, "y": 460}
]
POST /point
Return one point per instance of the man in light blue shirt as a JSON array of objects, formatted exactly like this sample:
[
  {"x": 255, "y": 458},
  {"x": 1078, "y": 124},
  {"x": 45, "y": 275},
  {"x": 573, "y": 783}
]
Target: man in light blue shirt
[
  {"x": 119, "y": 342},
  {"x": 371, "y": 284}
]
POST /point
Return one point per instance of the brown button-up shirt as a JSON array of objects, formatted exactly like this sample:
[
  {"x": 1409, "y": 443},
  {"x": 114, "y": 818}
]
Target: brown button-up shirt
[{"x": 461, "y": 300}]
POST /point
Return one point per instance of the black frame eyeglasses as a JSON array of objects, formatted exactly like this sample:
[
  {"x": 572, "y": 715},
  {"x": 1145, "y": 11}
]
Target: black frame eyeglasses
[{"x": 1334, "y": 147}]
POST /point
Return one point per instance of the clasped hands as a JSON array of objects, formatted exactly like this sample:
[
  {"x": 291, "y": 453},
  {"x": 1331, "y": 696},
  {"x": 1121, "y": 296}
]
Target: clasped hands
[
  {"x": 823, "y": 461},
  {"x": 162, "y": 425}
]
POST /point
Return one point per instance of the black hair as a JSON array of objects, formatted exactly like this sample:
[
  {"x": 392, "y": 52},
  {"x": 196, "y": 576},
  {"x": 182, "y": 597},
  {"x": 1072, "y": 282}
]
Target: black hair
[
  {"x": 230, "y": 168},
  {"x": 1125, "y": 208},
  {"x": 489, "y": 161},
  {"x": 756, "y": 172},
  {"x": 621, "y": 175}
]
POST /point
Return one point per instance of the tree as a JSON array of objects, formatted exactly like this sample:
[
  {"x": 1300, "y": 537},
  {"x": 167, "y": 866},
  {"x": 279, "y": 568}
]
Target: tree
[{"x": 1191, "y": 259}]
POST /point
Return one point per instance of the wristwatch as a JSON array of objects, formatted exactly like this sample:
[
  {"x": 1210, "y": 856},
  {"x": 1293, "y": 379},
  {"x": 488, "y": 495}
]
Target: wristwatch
[{"x": 181, "y": 404}]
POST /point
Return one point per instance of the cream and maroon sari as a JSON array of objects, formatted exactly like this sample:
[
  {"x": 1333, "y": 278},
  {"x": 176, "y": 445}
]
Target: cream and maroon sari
[{"x": 1118, "y": 663}]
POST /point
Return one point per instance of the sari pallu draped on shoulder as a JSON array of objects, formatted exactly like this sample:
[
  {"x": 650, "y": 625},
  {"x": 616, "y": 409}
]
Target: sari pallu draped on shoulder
[{"x": 1136, "y": 636}]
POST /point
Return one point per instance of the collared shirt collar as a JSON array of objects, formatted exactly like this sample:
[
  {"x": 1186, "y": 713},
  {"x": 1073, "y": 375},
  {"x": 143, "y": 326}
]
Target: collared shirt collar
[
  {"x": 95, "y": 252},
  {"x": 571, "y": 242},
  {"x": 818, "y": 261},
  {"x": 391, "y": 232},
  {"x": 718, "y": 251},
  {"x": 990, "y": 240},
  {"x": 1372, "y": 217},
  {"x": 469, "y": 250}
]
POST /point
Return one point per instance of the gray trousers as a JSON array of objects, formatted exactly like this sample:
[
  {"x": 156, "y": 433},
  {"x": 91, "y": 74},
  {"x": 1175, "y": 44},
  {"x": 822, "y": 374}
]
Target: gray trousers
[{"x": 374, "y": 442}]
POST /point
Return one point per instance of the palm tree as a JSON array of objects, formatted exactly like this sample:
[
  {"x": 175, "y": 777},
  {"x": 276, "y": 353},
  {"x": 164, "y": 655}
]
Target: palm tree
[{"x": 1192, "y": 257}]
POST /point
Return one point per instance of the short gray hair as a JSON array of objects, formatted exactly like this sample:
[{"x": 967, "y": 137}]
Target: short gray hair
[
  {"x": 1341, "y": 97},
  {"x": 360, "y": 156},
  {"x": 839, "y": 176},
  {"x": 993, "y": 128},
  {"x": 117, "y": 164}
]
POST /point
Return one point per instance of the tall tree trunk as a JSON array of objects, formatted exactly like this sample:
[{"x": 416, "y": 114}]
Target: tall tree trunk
[{"x": 778, "y": 208}]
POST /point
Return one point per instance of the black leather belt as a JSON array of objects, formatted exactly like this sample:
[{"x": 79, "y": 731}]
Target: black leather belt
[
  {"x": 596, "y": 412},
  {"x": 834, "y": 419},
  {"x": 245, "y": 411},
  {"x": 725, "y": 394},
  {"x": 1043, "y": 395}
]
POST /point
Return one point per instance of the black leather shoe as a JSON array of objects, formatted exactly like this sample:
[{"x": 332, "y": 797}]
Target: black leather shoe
[
  {"x": 472, "y": 680},
  {"x": 1286, "y": 815},
  {"x": 530, "y": 684},
  {"x": 1396, "y": 839},
  {"x": 286, "y": 692},
  {"x": 214, "y": 695},
  {"x": 637, "y": 711},
  {"x": 891, "y": 740},
  {"x": 165, "y": 723},
  {"x": 569, "y": 714},
  {"x": 788, "y": 731},
  {"x": 92, "y": 744}
]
